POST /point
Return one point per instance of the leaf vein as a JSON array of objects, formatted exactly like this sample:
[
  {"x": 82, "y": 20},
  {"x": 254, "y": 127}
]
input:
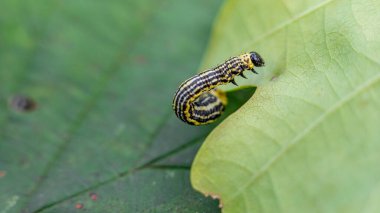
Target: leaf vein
[{"x": 283, "y": 25}]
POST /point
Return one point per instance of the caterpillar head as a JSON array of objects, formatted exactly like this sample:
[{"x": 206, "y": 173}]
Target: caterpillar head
[{"x": 256, "y": 59}]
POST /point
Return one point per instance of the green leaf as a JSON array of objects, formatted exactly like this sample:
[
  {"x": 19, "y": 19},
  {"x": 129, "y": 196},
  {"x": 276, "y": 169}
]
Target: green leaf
[
  {"x": 309, "y": 139},
  {"x": 103, "y": 74},
  {"x": 160, "y": 184}
]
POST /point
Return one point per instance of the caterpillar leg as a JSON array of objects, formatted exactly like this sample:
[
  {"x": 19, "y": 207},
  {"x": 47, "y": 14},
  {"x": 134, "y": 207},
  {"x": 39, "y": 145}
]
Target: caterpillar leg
[{"x": 254, "y": 71}]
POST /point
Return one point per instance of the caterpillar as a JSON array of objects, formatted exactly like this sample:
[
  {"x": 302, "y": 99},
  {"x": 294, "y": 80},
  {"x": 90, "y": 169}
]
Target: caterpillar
[{"x": 198, "y": 102}]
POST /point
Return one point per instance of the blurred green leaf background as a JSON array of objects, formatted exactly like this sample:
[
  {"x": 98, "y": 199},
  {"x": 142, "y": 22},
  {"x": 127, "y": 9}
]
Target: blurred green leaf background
[{"x": 103, "y": 137}]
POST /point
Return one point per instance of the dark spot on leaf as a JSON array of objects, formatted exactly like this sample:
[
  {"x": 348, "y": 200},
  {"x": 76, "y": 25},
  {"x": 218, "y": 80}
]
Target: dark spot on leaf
[
  {"x": 22, "y": 103},
  {"x": 93, "y": 196},
  {"x": 2, "y": 173},
  {"x": 79, "y": 206}
]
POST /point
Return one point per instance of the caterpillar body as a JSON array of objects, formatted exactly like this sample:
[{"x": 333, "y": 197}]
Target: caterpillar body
[{"x": 198, "y": 102}]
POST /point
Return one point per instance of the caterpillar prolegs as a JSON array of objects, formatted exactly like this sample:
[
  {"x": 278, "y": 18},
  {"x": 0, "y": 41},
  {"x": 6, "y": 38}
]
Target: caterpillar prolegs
[{"x": 197, "y": 102}]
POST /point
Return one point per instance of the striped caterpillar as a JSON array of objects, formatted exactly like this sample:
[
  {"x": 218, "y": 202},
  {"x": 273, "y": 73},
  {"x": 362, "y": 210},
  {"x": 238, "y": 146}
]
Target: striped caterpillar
[{"x": 197, "y": 102}]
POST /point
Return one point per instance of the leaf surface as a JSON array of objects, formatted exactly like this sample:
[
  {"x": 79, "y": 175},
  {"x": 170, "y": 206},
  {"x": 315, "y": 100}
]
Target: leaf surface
[
  {"x": 103, "y": 74},
  {"x": 308, "y": 140}
]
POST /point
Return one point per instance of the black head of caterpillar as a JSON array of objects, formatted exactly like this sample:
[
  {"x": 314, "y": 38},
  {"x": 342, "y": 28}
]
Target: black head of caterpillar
[
  {"x": 197, "y": 102},
  {"x": 256, "y": 59}
]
